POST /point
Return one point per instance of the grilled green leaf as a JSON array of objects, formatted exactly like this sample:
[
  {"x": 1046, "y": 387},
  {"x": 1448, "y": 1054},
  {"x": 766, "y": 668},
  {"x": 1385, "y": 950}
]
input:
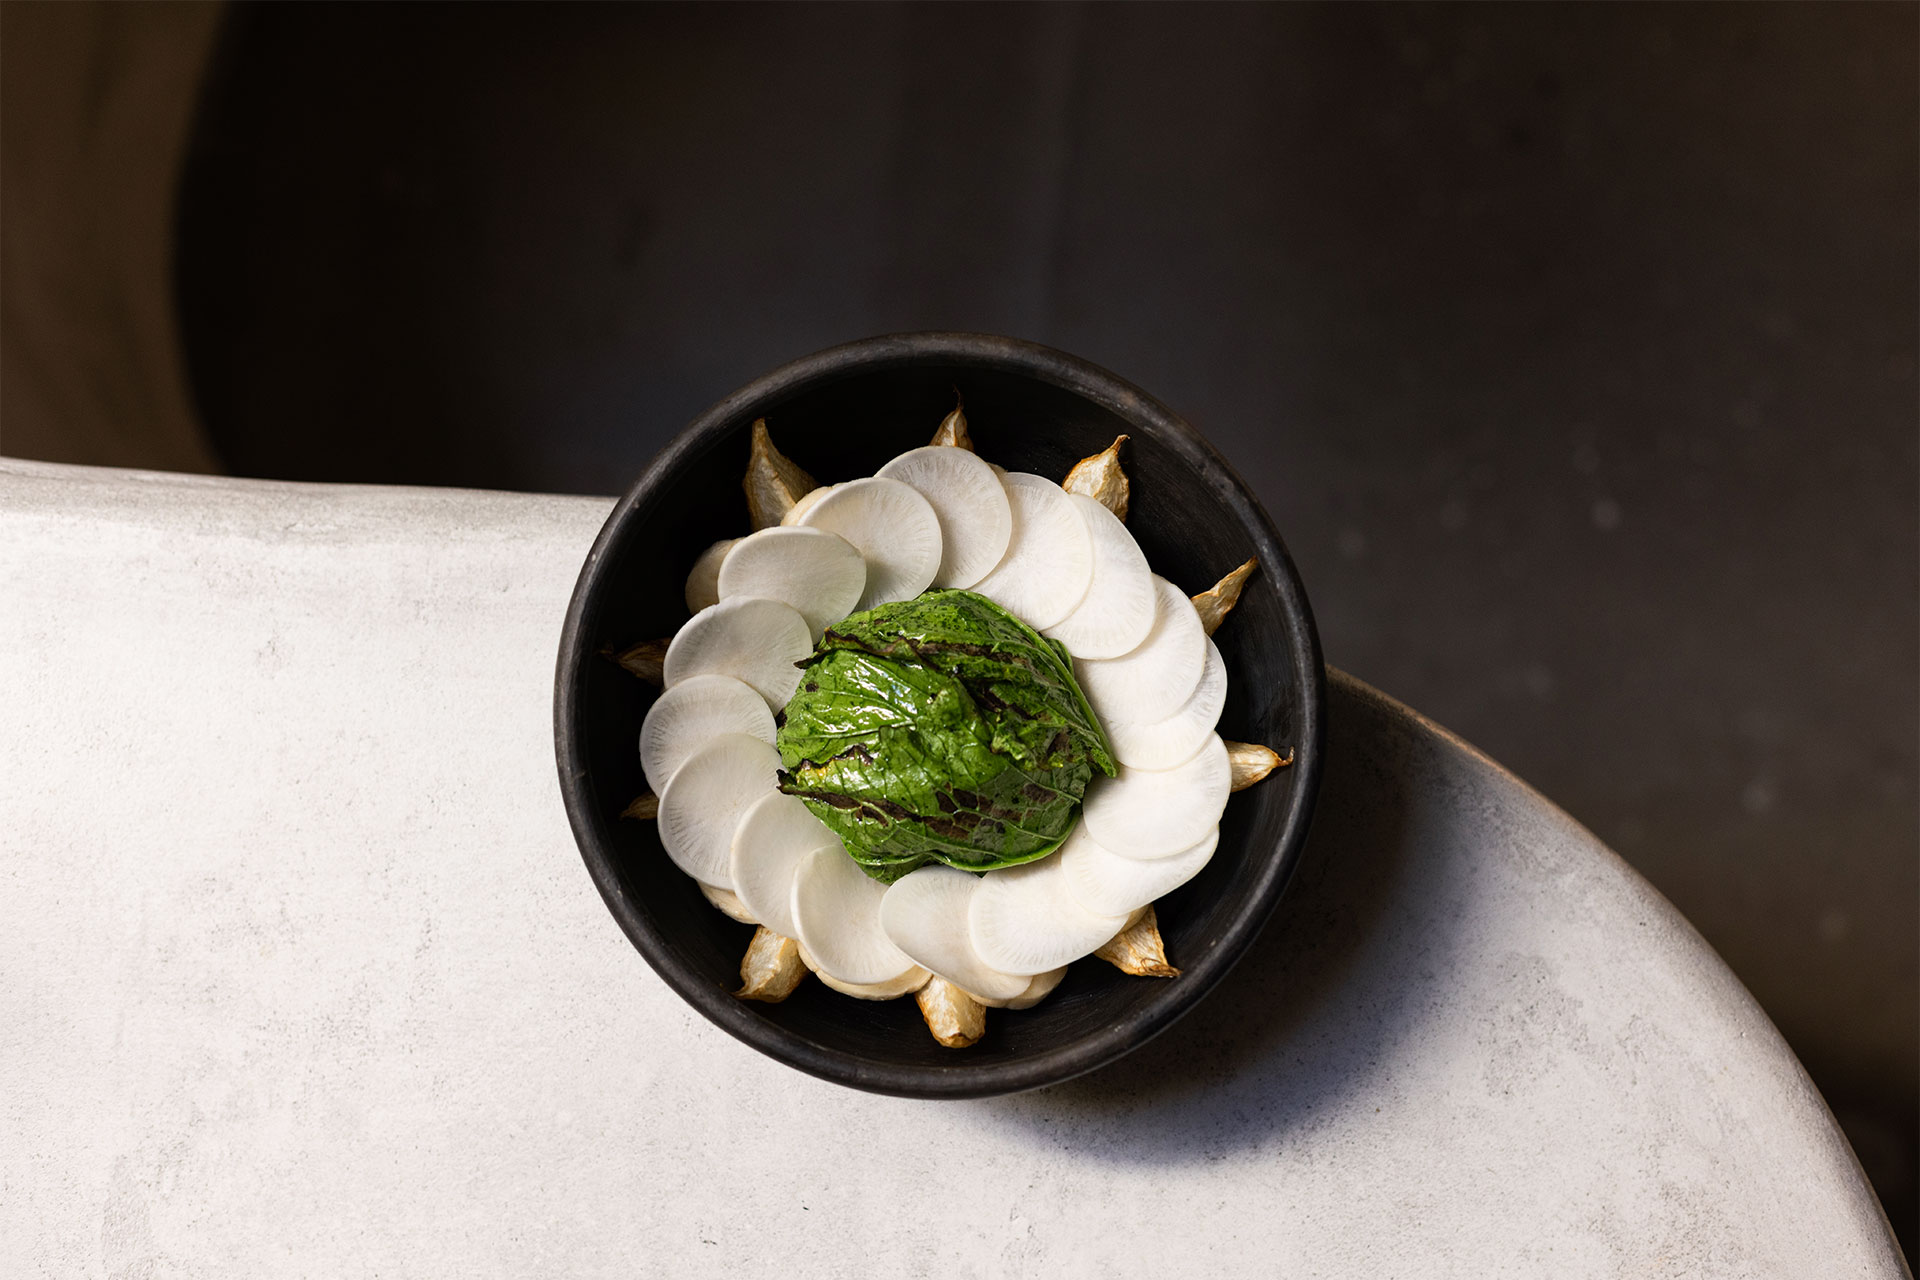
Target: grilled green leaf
[{"x": 941, "y": 728}]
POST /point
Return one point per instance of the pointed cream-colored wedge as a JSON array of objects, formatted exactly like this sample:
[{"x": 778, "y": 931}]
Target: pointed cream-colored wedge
[
  {"x": 648, "y": 659},
  {"x": 773, "y": 482},
  {"x": 953, "y": 427},
  {"x": 1139, "y": 950},
  {"x": 1102, "y": 478},
  {"x": 1251, "y": 762},
  {"x": 955, "y": 1018},
  {"x": 771, "y": 969},
  {"x": 1217, "y": 601}
]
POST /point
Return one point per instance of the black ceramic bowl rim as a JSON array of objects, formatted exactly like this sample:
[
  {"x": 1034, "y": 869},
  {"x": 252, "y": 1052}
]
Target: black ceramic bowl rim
[{"x": 1117, "y": 1038}]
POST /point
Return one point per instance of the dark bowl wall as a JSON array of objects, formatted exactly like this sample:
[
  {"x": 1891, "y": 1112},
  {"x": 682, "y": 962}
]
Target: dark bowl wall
[{"x": 845, "y": 425}]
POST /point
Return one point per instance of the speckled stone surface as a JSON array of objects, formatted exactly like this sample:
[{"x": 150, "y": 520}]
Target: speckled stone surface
[{"x": 303, "y": 975}]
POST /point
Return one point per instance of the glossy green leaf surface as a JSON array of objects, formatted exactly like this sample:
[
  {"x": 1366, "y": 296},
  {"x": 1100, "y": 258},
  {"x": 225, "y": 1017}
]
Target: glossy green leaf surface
[{"x": 941, "y": 728}]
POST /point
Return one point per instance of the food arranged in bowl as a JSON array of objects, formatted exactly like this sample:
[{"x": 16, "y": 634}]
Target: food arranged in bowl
[{"x": 940, "y": 731}]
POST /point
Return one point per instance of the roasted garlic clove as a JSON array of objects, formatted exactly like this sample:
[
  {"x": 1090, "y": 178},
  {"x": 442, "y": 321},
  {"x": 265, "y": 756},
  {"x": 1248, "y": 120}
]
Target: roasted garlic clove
[
  {"x": 955, "y": 1018},
  {"x": 728, "y": 902},
  {"x": 1102, "y": 478},
  {"x": 647, "y": 660},
  {"x": 771, "y": 969},
  {"x": 953, "y": 428},
  {"x": 1139, "y": 950},
  {"x": 773, "y": 481},
  {"x": 1215, "y": 603},
  {"x": 1251, "y": 762},
  {"x": 645, "y": 806}
]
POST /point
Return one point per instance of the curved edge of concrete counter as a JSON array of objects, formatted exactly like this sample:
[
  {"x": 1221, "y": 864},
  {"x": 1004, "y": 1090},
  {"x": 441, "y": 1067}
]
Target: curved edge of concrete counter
[{"x": 303, "y": 974}]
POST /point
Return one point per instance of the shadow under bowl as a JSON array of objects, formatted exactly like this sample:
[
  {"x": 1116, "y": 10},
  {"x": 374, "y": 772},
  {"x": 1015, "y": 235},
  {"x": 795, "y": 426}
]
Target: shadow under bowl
[{"x": 842, "y": 414}]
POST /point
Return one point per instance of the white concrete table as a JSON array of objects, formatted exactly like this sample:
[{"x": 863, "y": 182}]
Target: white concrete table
[{"x": 303, "y": 976}]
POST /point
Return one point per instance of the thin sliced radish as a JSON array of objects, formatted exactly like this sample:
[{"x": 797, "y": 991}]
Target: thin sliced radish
[
  {"x": 807, "y": 500},
  {"x": 768, "y": 846},
  {"x": 819, "y": 573},
  {"x": 1118, "y": 610},
  {"x": 1036, "y": 990},
  {"x": 1148, "y": 813},
  {"x": 748, "y": 638},
  {"x": 892, "y": 526},
  {"x": 892, "y": 989},
  {"x": 836, "y": 916},
  {"x": 904, "y": 985},
  {"x": 703, "y": 584},
  {"x": 693, "y": 713},
  {"x": 1151, "y": 681},
  {"x": 703, "y": 804},
  {"x": 1164, "y": 743},
  {"x": 1025, "y": 919},
  {"x": 976, "y": 519},
  {"x": 1049, "y": 562},
  {"x": 1105, "y": 881},
  {"x": 925, "y": 913},
  {"x": 1039, "y": 988}
]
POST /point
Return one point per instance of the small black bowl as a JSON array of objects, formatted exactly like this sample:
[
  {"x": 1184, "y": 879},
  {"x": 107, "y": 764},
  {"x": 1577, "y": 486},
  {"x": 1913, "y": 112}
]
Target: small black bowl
[{"x": 842, "y": 414}]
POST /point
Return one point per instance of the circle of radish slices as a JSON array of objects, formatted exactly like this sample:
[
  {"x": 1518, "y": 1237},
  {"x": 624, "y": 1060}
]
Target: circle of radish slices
[{"x": 1063, "y": 562}]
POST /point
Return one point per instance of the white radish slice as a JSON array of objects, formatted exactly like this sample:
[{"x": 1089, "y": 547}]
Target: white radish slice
[
  {"x": 703, "y": 584},
  {"x": 1105, "y": 881},
  {"x": 904, "y": 985},
  {"x": 704, "y": 802},
  {"x": 819, "y": 573},
  {"x": 1164, "y": 743},
  {"x": 693, "y": 713},
  {"x": 1049, "y": 562},
  {"x": 925, "y": 913},
  {"x": 836, "y": 916},
  {"x": 1148, "y": 813},
  {"x": 892, "y": 526},
  {"x": 892, "y": 989},
  {"x": 976, "y": 519},
  {"x": 1118, "y": 610},
  {"x": 1151, "y": 681},
  {"x": 1038, "y": 989},
  {"x": 807, "y": 500},
  {"x": 750, "y": 639},
  {"x": 768, "y": 846},
  {"x": 1025, "y": 919}
]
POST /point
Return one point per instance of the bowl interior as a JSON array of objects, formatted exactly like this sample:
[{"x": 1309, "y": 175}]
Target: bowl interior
[{"x": 845, "y": 418}]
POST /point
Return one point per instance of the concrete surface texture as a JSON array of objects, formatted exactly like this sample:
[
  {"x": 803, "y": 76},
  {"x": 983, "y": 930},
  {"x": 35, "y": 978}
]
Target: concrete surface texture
[
  {"x": 305, "y": 976},
  {"x": 1572, "y": 348}
]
